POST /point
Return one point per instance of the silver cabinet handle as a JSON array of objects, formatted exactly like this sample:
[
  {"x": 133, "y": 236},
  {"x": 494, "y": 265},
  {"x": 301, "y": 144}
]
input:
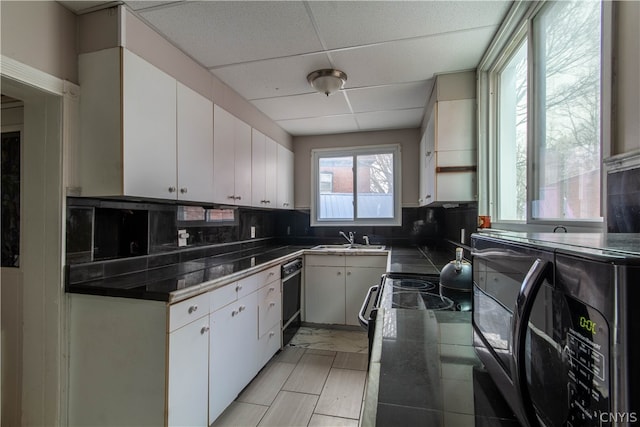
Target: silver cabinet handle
[
  {"x": 238, "y": 288},
  {"x": 204, "y": 330},
  {"x": 339, "y": 273},
  {"x": 348, "y": 273},
  {"x": 238, "y": 198},
  {"x": 241, "y": 308},
  {"x": 183, "y": 190},
  {"x": 193, "y": 309},
  {"x": 231, "y": 197},
  {"x": 428, "y": 196},
  {"x": 172, "y": 189},
  {"x": 234, "y": 313},
  {"x": 272, "y": 304},
  {"x": 271, "y": 333},
  {"x": 271, "y": 289}
]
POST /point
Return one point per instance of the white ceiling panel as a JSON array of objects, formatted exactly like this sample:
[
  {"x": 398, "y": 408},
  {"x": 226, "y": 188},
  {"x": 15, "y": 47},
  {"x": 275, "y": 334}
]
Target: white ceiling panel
[
  {"x": 398, "y": 119},
  {"x": 412, "y": 60},
  {"x": 320, "y": 125},
  {"x": 391, "y": 97},
  {"x": 390, "y": 50},
  {"x": 220, "y": 32},
  {"x": 344, "y": 23},
  {"x": 273, "y": 77},
  {"x": 303, "y": 106}
]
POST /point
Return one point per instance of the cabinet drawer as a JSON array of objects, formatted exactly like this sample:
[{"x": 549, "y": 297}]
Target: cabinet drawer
[
  {"x": 222, "y": 296},
  {"x": 268, "y": 344},
  {"x": 269, "y": 308},
  {"x": 267, "y": 276},
  {"x": 325, "y": 260},
  {"x": 187, "y": 311}
]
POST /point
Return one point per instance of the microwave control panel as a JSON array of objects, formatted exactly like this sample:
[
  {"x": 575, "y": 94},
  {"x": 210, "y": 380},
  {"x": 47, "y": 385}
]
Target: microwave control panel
[{"x": 586, "y": 354}]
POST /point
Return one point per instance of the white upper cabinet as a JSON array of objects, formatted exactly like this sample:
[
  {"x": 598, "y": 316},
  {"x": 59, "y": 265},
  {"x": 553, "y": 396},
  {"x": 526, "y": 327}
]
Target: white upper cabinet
[
  {"x": 231, "y": 159},
  {"x": 149, "y": 129},
  {"x": 263, "y": 170},
  {"x": 143, "y": 134},
  {"x": 195, "y": 145},
  {"x": 285, "y": 178},
  {"x": 448, "y": 154}
]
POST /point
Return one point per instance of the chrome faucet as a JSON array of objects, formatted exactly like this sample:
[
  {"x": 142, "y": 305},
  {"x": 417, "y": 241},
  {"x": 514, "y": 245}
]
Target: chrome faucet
[
  {"x": 366, "y": 240},
  {"x": 350, "y": 238}
]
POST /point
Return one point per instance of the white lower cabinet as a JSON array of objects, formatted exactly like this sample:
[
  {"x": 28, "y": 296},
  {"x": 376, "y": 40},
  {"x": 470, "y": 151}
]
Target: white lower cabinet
[
  {"x": 335, "y": 286},
  {"x": 237, "y": 351},
  {"x": 146, "y": 363},
  {"x": 358, "y": 282},
  {"x": 232, "y": 352},
  {"x": 188, "y": 384}
]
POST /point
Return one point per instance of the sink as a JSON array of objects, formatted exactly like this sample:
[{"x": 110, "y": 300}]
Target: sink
[{"x": 347, "y": 246}]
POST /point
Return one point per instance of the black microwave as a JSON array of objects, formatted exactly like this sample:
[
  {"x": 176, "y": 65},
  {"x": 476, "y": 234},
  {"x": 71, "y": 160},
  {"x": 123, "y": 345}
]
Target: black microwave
[{"x": 555, "y": 325}]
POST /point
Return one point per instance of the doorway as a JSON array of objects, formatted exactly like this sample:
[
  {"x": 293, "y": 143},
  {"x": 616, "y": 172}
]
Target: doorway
[{"x": 32, "y": 297}]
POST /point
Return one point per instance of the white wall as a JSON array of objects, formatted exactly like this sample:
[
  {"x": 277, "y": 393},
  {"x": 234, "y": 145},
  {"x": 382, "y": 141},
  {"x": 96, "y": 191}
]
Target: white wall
[
  {"x": 41, "y": 34},
  {"x": 407, "y": 138}
]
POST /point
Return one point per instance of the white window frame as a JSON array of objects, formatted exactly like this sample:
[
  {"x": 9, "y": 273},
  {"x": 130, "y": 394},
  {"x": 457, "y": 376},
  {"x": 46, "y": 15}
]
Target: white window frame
[
  {"x": 317, "y": 154},
  {"x": 517, "y": 25}
]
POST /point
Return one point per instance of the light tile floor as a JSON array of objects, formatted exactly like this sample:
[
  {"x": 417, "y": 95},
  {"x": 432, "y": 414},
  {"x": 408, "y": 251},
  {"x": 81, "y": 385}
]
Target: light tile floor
[{"x": 318, "y": 380}]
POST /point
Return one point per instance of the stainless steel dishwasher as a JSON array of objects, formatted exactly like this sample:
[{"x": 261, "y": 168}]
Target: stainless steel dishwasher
[{"x": 291, "y": 293}]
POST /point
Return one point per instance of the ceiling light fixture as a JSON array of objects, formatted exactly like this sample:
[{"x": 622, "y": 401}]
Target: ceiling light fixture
[{"x": 327, "y": 81}]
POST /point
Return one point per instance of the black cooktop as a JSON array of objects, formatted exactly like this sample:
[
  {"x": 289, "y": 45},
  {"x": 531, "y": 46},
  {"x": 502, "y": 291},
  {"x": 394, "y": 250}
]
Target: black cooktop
[{"x": 417, "y": 292}]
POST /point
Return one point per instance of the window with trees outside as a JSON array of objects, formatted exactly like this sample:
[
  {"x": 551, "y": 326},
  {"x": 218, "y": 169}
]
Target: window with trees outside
[
  {"x": 356, "y": 186},
  {"x": 546, "y": 106}
]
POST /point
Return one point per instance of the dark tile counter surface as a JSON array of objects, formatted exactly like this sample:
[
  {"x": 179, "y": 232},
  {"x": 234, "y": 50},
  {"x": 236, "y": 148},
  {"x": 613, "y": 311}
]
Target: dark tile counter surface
[
  {"x": 423, "y": 369},
  {"x": 175, "y": 281}
]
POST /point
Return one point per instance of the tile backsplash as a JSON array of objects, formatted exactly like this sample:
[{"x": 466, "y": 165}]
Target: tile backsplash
[{"x": 103, "y": 230}]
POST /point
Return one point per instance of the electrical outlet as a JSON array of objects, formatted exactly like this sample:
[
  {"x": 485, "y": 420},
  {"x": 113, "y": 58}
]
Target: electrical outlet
[
  {"x": 182, "y": 238},
  {"x": 253, "y": 232}
]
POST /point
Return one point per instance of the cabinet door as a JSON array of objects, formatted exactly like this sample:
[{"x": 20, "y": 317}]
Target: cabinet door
[
  {"x": 324, "y": 294},
  {"x": 246, "y": 328},
  {"x": 233, "y": 352},
  {"x": 188, "y": 385},
  {"x": 285, "y": 178},
  {"x": 195, "y": 145},
  {"x": 223, "y": 368},
  {"x": 149, "y": 129},
  {"x": 430, "y": 177},
  {"x": 358, "y": 282},
  {"x": 242, "y": 171},
  {"x": 271, "y": 172},
  {"x": 455, "y": 129},
  {"x": 223, "y": 156},
  {"x": 258, "y": 169}
]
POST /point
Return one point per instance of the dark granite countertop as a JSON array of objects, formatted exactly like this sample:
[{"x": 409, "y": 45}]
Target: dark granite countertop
[
  {"x": 423, "y": 369},
  {"x": 180, "y": 280}
]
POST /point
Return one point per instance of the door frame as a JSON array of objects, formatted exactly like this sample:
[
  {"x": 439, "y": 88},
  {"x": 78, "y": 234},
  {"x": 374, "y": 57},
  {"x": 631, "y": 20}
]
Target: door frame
[{"x": 49, "y": 140}]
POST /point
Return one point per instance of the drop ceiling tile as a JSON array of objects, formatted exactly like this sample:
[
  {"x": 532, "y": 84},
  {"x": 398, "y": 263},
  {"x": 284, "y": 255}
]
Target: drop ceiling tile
[
  {"x": 399, "y": 119},
  {"x": 272, "y": 77},
  {"x": 412, "y": 60},
  {"x": 391, "y": 97},
  {"x": 320, "y": 125},
  {"x": 220, "y": 32},
  {"x": 393, "y": 20},
  {"x": 303, "y": 106}
]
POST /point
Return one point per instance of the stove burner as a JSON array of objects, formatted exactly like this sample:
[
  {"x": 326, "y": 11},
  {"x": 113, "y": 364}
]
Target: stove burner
[
  {"x": 420, "y": 300},
  {"x": 412, "y": 285}
]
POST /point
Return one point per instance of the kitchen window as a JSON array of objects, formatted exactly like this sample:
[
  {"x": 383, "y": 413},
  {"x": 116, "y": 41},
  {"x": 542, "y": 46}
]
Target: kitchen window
[
  {"x": 356, "y": 186},
  {"x": 542, "y": 138}
]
